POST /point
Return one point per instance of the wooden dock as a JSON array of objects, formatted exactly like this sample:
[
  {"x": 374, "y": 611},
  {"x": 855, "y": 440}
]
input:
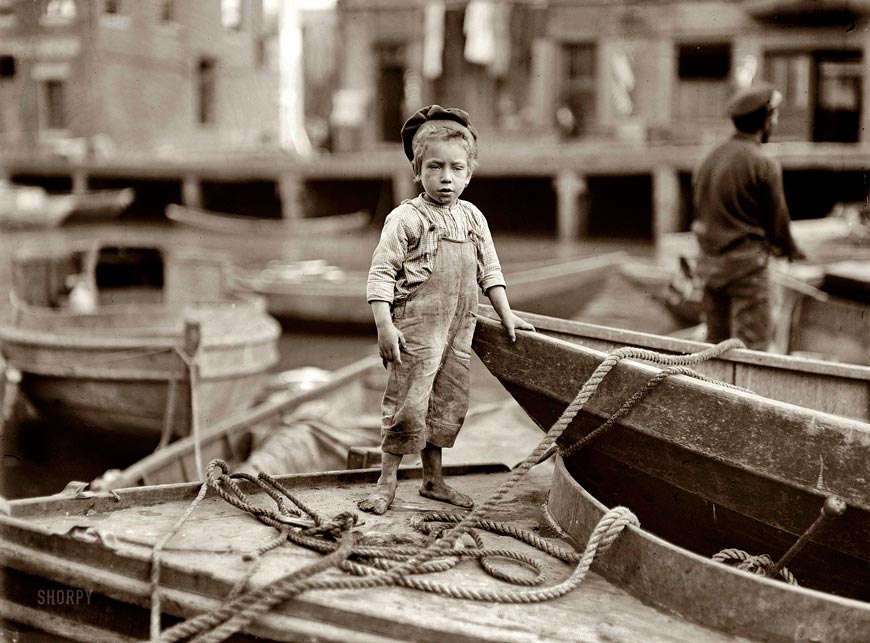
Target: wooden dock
[{"x": 566, "y": 165}]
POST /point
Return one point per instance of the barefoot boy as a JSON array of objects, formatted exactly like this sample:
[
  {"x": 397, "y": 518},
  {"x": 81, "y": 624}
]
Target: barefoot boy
[{"x": 434, "y": 253}]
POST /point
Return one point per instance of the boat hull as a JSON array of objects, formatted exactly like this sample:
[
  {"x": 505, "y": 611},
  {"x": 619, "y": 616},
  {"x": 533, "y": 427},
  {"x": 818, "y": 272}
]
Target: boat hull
[
  {"x": 120, "y": 368},
  {"x": 770, "y": 463},
  {"x": 699, "y": 589}
]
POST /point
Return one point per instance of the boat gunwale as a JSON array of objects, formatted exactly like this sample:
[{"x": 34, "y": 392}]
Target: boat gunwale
[
  {"x": 685, "y": 346},
  {"x": 80, "y": 336}
]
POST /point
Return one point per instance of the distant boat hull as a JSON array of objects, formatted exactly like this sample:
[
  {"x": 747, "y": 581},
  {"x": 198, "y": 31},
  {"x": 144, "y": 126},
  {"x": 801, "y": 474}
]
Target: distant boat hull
[
  {"x": 559, "y": 288},
  {"x": 100, "y": 205},
  {"x": 51, "y": 212},
  {"x": 236, "y": 224}
]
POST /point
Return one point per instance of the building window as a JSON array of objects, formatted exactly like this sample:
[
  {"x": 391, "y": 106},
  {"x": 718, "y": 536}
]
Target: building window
[
  {"x": 7, "y": 68},
  {"x": 231, "y": 14},
  {"x": 53, "y": 105},
  {"x": 575, "y": 112},
  {"x": 167, "y": 11},
  {"x": 703, "y": 81},
  {"x": 205, "y": 92},
  {"x": 112, "y": 7}
]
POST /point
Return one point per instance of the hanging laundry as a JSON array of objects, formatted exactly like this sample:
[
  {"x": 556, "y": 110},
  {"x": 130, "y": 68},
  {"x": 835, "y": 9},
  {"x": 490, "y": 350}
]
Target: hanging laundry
[
  {"x": 433, "y": 39},
  {"x": 622, "y": 82},
  {"x": 479, "y": 30}
]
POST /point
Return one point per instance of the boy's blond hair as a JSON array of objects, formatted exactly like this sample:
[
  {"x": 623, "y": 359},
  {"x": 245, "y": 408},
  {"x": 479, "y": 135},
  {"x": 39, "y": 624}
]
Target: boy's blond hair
[{"x": 429, "y": 132}]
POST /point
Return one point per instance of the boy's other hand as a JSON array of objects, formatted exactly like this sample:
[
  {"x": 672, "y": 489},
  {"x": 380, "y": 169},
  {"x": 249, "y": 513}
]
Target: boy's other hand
[
  {"x": 391, "y": 341},
  {"x": 511, "y": 323}
]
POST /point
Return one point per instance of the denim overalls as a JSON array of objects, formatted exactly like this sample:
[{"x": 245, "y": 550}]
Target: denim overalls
[{"x": 426, "y": 398}]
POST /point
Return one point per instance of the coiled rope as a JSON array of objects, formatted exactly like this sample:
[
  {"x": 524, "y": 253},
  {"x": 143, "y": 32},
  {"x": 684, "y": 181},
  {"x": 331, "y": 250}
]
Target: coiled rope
[
  {"x": 759, "y": 565},
  {"x": 239, "y": 610}
]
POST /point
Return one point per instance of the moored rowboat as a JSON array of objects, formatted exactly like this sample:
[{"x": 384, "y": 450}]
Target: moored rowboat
[
  {"x": 325, "y": 294},
  {"x": 120, "y": 362},
  {"x": 236, "y": 224},
  {"x": 704, "y": 466},
  {"x": 100, "y": 205}
]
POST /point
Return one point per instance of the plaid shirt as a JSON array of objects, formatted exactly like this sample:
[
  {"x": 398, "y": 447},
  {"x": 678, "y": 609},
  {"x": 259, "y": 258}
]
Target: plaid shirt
[{"x": 404, "y": 257}]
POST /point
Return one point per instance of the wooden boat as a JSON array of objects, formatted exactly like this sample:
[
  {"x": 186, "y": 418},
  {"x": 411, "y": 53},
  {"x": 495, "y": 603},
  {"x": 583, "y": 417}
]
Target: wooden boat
[
  {"x": 703, "y": 466},
  {"x": 100, "y": 205},
  {"x": 325, "y": 421},
  {"x": 316, "y": 292},
  {"x": 828, "y": 327},
  {"x": 93, "y": 551},
  {"x": 235, "y": 224},
  {"x": 118, "y": 362},
  {"x": 675, "y": 289},
  {"x": 826, "y": 386},
  {"x": 24, "y": 207}
]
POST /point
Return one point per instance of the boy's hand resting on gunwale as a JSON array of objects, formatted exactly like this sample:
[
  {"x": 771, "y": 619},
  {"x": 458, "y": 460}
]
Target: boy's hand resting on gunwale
[
  {"x": 391, "y": 341},
  {"x": 511, "y": 323}
]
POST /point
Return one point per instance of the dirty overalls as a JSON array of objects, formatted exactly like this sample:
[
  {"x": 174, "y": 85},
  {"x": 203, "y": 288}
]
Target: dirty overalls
[{"x": 426, "y": 398}]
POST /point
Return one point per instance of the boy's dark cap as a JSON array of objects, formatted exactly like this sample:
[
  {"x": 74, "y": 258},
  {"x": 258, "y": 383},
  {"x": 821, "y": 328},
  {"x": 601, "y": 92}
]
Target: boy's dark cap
[
  {"x": 750, "y": 99},
  {"x": 447, "y": 116}
]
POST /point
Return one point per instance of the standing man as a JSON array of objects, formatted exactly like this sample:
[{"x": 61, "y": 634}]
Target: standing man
[{"x": 741, "y": 220}]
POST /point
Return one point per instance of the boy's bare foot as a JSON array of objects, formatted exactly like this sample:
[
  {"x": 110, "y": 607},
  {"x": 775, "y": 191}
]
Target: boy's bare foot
[
  {"x": 380, "y": 500},
  {"x": 445, "y": 493}
]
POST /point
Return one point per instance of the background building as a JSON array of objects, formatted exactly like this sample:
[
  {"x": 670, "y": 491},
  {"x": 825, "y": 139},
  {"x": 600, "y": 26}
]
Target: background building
[
  {"x": 613, "y": 100},
  {"x": 145, "y": 77}
]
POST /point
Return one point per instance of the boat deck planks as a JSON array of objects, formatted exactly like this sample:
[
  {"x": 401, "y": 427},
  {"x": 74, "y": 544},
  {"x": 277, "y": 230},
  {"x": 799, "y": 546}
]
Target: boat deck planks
[{"x": 199, "y": 566}]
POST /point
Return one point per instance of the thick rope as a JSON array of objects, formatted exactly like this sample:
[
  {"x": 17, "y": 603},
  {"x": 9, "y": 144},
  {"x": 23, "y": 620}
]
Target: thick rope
[
  {"x": 236, "y": 613},
  {"x": 155, "y": 560}
]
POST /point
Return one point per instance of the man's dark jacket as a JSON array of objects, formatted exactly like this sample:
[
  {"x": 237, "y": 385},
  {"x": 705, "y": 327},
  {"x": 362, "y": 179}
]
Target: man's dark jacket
[{"x": 738, "y": 197}]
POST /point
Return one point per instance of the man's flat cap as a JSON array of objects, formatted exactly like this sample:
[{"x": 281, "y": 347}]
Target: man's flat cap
[
  {"x": 447, "y": 116},
  {"x": 749, "y": 99}
]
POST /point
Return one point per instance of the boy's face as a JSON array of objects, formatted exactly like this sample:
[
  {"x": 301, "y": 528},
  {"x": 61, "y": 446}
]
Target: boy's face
[{"x": 444, "y": 171}]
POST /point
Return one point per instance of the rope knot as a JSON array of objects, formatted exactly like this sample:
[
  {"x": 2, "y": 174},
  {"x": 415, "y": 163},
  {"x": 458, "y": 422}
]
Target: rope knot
[{"x": 335, "y": 527}]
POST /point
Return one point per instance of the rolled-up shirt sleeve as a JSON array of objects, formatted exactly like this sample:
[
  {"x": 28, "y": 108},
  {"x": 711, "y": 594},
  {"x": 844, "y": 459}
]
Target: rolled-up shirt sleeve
[
  {"x": 490, "y": 273},
  {"x": 387, "y": 259}
]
